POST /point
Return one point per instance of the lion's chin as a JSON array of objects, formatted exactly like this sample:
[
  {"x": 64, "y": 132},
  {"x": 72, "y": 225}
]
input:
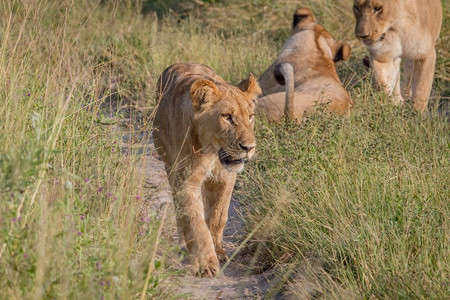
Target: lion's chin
[
  {"x": 372, "y": 41},
  {"x": 229, "y": 163}
]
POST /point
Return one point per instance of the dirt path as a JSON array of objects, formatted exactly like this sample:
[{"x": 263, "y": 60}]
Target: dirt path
[{"x": 236, "y": 281}]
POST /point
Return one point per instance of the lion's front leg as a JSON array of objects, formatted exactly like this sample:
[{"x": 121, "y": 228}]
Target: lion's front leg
[
  {"x": 203, "y": 258},
  {"x": 422, "y": 81},
  {"x": 191, "y": 221},
  {"x": 217, "y": 196},
  {"x": 387, "y": 75}
]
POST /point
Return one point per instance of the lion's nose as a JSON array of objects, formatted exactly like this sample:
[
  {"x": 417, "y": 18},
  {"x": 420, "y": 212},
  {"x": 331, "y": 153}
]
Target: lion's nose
[{"x": 247, "y": 147}]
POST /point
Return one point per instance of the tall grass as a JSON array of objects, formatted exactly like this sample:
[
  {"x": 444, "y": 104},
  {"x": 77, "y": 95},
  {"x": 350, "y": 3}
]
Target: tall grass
[
  {"x": 71, "y": 198},
  {"x": 364, "y": 201}
]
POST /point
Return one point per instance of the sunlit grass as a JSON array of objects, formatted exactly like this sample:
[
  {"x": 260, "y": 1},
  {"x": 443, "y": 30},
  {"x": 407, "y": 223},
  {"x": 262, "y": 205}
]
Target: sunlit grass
[{"x": 71, "y": 199}]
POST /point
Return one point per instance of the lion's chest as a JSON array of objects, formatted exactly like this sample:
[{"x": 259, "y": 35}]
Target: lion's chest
[
  {"x": 388, "y": 49},
  {"x": 416, "y": 46},
  {"x": 217, "y": 170},
  {"x": 408, "y": 42}
]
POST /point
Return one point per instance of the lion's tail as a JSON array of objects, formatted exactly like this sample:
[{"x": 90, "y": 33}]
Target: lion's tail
[{"x": 284, "y": 74}]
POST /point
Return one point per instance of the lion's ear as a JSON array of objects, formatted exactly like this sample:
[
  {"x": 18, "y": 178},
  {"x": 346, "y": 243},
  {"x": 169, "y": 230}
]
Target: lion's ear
[
  {"x": 203, "y": 91},
  {"x": 325, "y": 44},
  {"x": 250, "y": 86},
  {"x": 303, "y": 16},
  {"x": 342, "y": 52}
]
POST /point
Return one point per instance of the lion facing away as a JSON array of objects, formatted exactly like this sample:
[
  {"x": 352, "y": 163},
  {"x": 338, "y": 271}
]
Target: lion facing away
[
  {"x": 396, "y": 29},
  {"x": 203, "y": 133},
  {"x": 304, "y": 74}
]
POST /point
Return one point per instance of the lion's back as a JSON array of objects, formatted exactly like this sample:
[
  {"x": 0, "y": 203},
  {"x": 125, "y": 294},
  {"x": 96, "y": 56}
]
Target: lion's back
[{"x": 180, "y": 76}]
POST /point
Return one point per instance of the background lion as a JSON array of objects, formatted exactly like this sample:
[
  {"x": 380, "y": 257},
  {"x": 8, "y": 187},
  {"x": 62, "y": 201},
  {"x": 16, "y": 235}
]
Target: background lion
[
  {"x": 304, "y": 73},
  {"x": 396, "y": 29},
  {"x": 204, "y": 132}
]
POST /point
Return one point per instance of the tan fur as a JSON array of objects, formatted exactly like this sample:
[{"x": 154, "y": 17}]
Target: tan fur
[
  {"x": 306, "y": 65},
  {"x": 199, "y": 118},
  {"x": 396, "y": 29}
]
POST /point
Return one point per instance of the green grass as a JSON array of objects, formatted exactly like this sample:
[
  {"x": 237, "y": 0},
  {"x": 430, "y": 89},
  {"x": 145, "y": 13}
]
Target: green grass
[
  {"x": 364, "y": 200},
  {"x": 70, "y": 200}
]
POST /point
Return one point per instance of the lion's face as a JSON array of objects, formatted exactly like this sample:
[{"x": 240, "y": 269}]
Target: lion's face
[
  {"x": 224, "y": 117},
  {"x": 373, "y": 19}
]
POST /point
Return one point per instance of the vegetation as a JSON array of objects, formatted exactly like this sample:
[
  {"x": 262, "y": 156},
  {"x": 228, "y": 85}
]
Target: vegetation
[
  {"x": 362, "y": 202},
  {"x": 359, "y": 205},
  {"x": 70, "y": 196}
]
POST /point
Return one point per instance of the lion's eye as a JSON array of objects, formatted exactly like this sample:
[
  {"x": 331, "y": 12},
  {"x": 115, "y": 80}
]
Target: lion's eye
[
  {"x": 378, "y": 9},
  {"x": 356, "y": 8},
  {"x": 228, "y": 118},
  {"x": 251, "y": 117}
]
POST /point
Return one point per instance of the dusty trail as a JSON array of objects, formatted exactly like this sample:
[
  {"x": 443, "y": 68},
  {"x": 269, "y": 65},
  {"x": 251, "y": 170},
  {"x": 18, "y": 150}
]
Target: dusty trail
[{"x": 236, "y": 282}]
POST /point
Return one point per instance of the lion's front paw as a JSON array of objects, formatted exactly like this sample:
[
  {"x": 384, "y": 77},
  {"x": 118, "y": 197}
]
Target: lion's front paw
[
  {"x": 221, "y": 254},
  {"x": 205, "y": 264},
  {"x": 420, "y": 106},
  {"x": 398, "y": 100}
]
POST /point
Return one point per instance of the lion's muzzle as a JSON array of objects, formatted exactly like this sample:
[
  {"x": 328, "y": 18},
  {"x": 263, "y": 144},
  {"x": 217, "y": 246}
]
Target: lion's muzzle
[{"x": 227, "y": 159}]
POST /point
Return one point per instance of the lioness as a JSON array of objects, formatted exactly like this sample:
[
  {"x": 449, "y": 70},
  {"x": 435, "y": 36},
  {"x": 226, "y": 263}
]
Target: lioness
[
  {"x": 306, "y": 67},
  {"x": 392, "y": 29},
  {"x": 203, "y": 133}
]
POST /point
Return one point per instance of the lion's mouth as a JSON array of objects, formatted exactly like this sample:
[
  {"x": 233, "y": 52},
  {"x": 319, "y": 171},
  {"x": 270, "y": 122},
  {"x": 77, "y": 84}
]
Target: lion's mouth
[
  {"x": 226, "y": 159},
  {"x": 371, "y": 41}
]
